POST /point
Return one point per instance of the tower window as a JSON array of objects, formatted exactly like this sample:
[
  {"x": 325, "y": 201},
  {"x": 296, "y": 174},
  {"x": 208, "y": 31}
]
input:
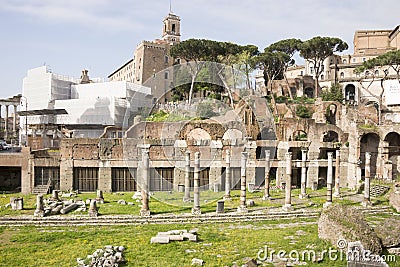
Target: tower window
[
  {"x": 166, "y": 59},
  {"x": 166, "y": 75},
  {"x": 173, "y": 28}
]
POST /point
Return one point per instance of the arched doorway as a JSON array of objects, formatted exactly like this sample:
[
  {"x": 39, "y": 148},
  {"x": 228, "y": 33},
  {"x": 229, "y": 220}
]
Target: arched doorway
[
  {"x": 369, "y": 143},
  {"x": 331, "y": 136},
  {"x": 350, "y": 92},
  {"x": 309, "y": 92},
  {"x": 393, "y": 140}
]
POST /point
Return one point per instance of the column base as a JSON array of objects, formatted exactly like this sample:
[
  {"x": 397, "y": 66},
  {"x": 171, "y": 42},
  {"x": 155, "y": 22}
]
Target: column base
[
  {"x": 144, "y": 213},
  {"x": 326, "y": 204},
  {"x": 93, "y": 213},
  {"x": 242, "y": 209},
  {"x": 196, "y": 211},
  {"x": 287, "y": 207},
  {"x": 38, "y": 213},
  {"x": 303, "y": 196}
]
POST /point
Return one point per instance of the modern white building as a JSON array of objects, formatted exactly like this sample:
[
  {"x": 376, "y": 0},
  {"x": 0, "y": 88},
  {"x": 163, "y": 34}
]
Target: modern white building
[{"x": 56, "y": 106}]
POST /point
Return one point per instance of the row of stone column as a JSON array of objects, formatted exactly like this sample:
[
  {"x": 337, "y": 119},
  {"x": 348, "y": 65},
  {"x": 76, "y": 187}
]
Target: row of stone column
[
  {"x": 6, "y": 133},
  {"x": 145, "y": 211}
]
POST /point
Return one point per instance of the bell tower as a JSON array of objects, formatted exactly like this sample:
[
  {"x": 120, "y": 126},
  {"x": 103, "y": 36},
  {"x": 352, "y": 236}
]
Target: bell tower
[{"x": 172, "y": 28}]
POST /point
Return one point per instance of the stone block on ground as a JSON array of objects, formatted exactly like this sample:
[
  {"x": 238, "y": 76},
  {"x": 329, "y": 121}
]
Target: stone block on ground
[
  {"x": 17, "y": 203},
  {"x": 250, "y": 203},
  {"x": 196, "y": 261},
  {"x": 160, "y": 240},
  {"x": 190, "y": 237},
  {"x": 69, "y": 208}
]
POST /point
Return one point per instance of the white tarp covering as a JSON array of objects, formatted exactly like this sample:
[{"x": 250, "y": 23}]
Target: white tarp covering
[{"x": 392, "y": 92}]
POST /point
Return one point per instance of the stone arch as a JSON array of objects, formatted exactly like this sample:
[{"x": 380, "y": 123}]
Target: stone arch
[
  {"x": 369, "y": 142},
  {"x": 330, "y": 136},
  {"x": 214, "y": 129},
  {"x": 393, "y": 139},
  {"x": 350, "y": 92},
  {"x": 334, "y": 129},
  {"x": 299, "y": 135},
  {"x": 331, "y": 113},
  {"x": 309, "y": 92},
  {"x": 198, "y": 134}
]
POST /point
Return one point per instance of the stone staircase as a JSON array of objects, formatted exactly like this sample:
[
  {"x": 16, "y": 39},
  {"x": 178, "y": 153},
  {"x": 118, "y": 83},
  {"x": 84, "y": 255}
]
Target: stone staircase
[{"x": 378, "y": 190}]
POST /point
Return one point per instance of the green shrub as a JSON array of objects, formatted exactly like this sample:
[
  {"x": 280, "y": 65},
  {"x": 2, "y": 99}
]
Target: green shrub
[
  {"x": 333, "y": 94},
  {"x": 303, "y": 112}
]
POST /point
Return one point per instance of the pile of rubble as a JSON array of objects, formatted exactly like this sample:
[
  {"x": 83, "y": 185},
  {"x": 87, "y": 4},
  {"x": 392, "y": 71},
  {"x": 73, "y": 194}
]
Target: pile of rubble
[
  {"x": 109, "y": 256},
  {"x": 175, "y": 235},
  {"x": 54, "y": 205}
]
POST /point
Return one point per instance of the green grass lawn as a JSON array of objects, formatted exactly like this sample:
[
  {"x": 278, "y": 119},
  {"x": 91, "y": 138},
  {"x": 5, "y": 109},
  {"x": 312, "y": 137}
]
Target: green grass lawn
[
  {"x": 219, "y": 244},
  {"x": 171, "y": 202}
]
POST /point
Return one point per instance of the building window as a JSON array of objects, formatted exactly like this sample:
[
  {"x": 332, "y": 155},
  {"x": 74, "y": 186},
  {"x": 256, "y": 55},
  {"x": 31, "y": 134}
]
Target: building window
[
  {"x": 311, "y": 70},
  {"x": 166, "y": 75},
  {"x": 342, "y": 75},
  {"x": 173, "y": 28},
  {"x": 376, "y": 72},
  {"x": 86, "y": 179},
  {"x": 322, "y": 77},
  {"x": 301, "y": 73},
  {"x": 344, "y": 61},
  {"x": 364, "y": 59},
  {"x": 354, "y": 60},
  {"x": 367, "y": 73},
  {"x": 166, "y": 59}
]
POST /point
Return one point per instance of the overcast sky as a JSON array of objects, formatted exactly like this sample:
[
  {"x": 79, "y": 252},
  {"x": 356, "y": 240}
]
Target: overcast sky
[{"x": 101, "y": 35}]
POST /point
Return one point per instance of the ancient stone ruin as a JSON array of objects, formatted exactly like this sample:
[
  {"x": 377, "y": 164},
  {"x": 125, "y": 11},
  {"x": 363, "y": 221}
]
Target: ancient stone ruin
[
  {"x": 175, "y": 235},
  {"x": 109, "y": 256}
]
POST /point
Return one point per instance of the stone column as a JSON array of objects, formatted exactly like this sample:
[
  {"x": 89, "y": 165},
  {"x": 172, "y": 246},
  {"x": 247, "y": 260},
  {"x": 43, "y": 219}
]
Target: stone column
[
  {"x": 329, "y": 180},
  {"x": 39, "y": 212},
  {"x": 228, "y": 176},
  {"x": 6, "y": 124},
  {"x": 367, "y": 183},
  {"x": 266, "y": 173},
  {"x": 288, "y": 187},
  {"x": 196, "y": 187},
  {"x": 243, "y": 162},
  {"x": 186, "y": 197},
  {"x": 303, "y": 191},
  {"x": 145, "y": 211},
  {"x": 93, "y": 208},
  {"x": 99, "y": 196},
  {"x": 54, "y": 195},
  {"x": 337, "y": 174},
  {"x": 15, "y": 120}
]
